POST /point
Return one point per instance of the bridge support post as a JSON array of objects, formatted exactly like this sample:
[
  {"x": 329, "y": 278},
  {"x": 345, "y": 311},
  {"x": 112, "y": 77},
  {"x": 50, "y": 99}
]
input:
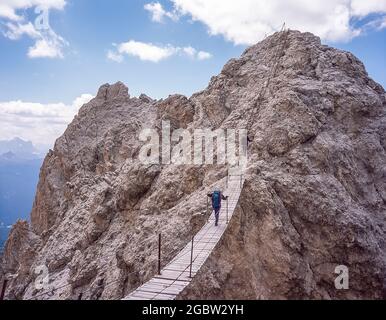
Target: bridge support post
[
  {"x": 159, "y": 254},
  {"x": 3, "y": 288},
  {"x": 191, "y": 258},
  {"x": 241, "y": 181},
  {"x": 227, "y": 211}
]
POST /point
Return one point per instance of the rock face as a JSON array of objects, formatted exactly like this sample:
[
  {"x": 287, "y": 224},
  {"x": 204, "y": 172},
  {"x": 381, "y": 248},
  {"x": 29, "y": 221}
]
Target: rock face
[{"x": 314, "y": 196}]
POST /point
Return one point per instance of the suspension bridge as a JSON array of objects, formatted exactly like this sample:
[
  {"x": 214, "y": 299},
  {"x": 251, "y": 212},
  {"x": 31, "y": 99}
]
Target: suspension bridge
[{"x": 180, "y": 271}]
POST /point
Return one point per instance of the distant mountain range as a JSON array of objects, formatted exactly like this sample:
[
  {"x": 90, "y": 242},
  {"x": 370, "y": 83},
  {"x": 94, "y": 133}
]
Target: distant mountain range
[
  {"x": 20, "y": 163},
  {"x": 19, "y": 149}
]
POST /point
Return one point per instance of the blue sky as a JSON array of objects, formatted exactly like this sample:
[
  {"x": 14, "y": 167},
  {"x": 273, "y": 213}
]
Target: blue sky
[
  {"x": 160, "y": 47},
  {"x": 91, "y": 27}
]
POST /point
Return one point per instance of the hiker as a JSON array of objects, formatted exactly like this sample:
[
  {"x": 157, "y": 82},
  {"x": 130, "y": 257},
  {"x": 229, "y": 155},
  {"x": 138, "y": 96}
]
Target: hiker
[{"x": 216, "y": 197}]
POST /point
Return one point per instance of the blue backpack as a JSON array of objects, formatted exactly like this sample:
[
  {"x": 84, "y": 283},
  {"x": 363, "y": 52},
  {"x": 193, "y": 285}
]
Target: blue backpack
[{"x": 216, "y": 199}]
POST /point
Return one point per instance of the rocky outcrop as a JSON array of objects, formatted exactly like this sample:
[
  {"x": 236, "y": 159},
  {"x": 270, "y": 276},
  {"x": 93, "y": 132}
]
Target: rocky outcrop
[
  {"x": 178, "y": 110},
  {"x": 314, "y": 196},
  {"x": 19, "y": 254}
]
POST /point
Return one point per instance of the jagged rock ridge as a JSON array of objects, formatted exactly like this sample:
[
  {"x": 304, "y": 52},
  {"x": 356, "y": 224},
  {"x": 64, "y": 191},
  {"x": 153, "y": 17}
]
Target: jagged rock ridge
[{"x": 314, "y": 196}]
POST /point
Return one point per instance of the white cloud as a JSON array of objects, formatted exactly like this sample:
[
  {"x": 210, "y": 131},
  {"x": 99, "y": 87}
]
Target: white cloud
[
  {"x": 158, "y": 13},
  {"x": 37, "y": 122},
  {"x": 150, "y": 52},
  {"x": 146, "y": 51},
  {"x": 15, "y": 31},
  {"x": 248, "y": 21},
  {"x": 362, "y": 8},
  {"x": 194, "y": 54},
  {"x": 113, "y": 56},
  {"x": 47, "y": 44},
  {"x": 190, "y": 51},
  {"x": 202, "y": 55},
  {"x": 9, "y": 8},
  {"x": 377, "y": 24}
]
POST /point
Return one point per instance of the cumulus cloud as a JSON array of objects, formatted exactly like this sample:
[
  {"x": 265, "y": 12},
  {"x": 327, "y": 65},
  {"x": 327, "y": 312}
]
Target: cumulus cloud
[
  {"x": 146, "y": 51},
  {"x": 47, "y": 44},
  {"x": 15, "y": 31},
  {"x": 248, "y": 21},
  {"x": 377, "y": 24},
  {"x": 9, "y": 8},
  {"x": 190, "y": 51},
  {"x": 153, "y": 53},
  {"x": 362, "y": 8},
  {"x": 37, "y": 122},
  {"x": 158, "y": 13},
  {"x": 202, "y": 55},
  {"x": 113, "y": 56},
  {"x": 194, "y": 54}
]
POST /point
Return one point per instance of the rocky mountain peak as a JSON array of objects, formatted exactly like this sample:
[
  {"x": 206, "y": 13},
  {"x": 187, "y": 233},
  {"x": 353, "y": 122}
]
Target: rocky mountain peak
[
  {"x": 145, "y": 98},
  {"x": 115, "y": 91},
  {"x": 314, "y": 196}
]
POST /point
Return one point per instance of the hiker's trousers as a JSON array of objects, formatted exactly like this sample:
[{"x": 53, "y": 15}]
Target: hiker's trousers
[{"x": 216, "y": 213}]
